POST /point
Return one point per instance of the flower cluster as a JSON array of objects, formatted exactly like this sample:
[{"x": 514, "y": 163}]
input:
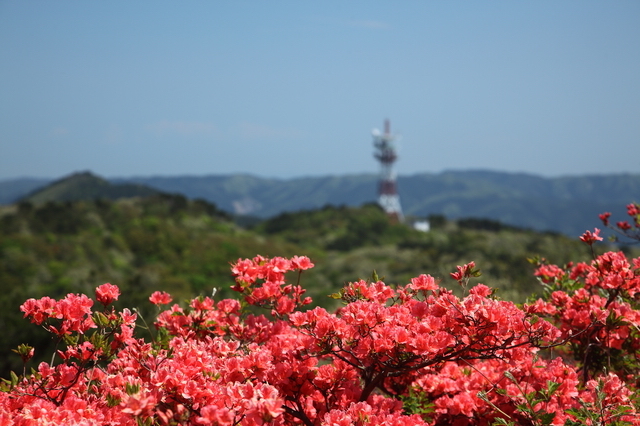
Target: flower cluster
[
  {"x": 623, "y": 228},
  {"x": 73, "y": 313},
  {"x": 262, "y": 281},
  {"x": 591, "y": 237},
  {"x": 595, "y": 306},
  {"x": 412, "y": 354}
]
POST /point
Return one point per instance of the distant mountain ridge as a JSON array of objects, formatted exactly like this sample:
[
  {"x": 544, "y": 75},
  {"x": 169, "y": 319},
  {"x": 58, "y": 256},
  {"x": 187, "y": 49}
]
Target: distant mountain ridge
[{"x": 565, "y": 204}]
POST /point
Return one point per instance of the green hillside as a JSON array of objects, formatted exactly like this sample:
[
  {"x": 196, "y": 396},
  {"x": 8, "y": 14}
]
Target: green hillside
[
  {"x": 167, "y": 242},
  {"x": 163, "y": 242},
  {"x": 358, "y": 240}
]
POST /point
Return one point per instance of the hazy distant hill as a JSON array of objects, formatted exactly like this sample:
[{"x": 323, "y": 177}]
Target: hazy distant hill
[
  {"x": 567, "y": 204},
  {"x": 13, "y": 189},
  {"x": 83, "y": 186},
  {"x": 263, "y": 197}
]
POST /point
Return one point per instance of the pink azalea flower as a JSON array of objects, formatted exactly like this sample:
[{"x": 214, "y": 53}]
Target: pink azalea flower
[
  {"x": 107, "y": 293},
  {"x": 590, "y": 238},
  {"x": 160, "y": 298}
]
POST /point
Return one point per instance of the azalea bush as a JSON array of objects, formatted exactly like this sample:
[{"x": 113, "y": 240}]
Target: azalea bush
[{"x": 411, "y": 354}]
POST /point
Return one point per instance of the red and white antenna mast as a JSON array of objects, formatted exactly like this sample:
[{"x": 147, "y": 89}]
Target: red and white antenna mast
[{"x": 385, "y": 153}]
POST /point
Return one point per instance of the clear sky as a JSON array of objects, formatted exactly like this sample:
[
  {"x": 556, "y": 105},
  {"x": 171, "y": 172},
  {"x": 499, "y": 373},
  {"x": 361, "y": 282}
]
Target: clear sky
[{"x": 294, "y": 88}]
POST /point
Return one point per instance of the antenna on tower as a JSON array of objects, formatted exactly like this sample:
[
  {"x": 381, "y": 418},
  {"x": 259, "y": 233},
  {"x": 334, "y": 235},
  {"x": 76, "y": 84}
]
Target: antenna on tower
[{"x": 385, "y": 153}]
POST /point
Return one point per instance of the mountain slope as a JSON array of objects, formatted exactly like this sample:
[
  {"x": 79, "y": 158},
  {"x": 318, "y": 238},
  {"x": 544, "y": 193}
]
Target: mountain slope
[
  {"x": 86, "y": 186},
  {"x": 265, "y": 197},
  {"x": 566, "y": 204}
]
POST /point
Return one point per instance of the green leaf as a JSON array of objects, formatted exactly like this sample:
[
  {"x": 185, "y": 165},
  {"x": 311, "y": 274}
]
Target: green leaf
[
  {"x": 14, "y": 379},
  {"x": 132, "y": 389},
  {"x": 100, "y": 319},
  {"x": 336, "y": 295},
  {"x": 112, "y": 401},
  {"x": 71, "y": 340},
  {"x": 552, "y": 387},
  {"x": 547, "y": 418}
]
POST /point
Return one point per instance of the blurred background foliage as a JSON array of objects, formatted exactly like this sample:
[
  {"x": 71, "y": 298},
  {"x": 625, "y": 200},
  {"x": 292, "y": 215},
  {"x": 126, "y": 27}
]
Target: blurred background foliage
[{"x": 185, "y": 247}]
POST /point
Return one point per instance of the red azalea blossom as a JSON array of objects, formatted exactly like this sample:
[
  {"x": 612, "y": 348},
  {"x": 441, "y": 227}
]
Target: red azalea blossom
[
  {"x": 463, "y": 271},
  {"x": 160, "y": 298},
  {"x": 549, "y": 273},
  {"x": 424, "y": 283},
  {"x": 604, "y": 217},
  {"x": 623, "y": 225},
  {"x": 591, "y": 237},
  {"x": 301, "y": 262},
  {"x": 107, "y": 293}
]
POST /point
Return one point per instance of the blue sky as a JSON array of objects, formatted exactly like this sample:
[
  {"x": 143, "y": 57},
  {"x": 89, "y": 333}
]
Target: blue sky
[{"x": 288, "y": 89}]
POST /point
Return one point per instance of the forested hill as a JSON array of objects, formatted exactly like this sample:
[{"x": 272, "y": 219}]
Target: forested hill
[{"x": 566, "y": 204}]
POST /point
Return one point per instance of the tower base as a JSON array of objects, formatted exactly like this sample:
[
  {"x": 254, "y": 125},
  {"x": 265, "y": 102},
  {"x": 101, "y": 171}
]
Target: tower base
[{"x": 391, "y": 205}]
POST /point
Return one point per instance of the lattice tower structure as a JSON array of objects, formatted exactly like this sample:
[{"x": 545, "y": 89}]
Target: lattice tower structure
[{"x": 385, "y": 153}]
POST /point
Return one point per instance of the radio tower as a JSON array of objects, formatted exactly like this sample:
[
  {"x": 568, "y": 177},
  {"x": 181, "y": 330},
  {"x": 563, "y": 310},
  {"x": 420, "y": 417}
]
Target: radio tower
[{"x": 386, "y": 154}]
